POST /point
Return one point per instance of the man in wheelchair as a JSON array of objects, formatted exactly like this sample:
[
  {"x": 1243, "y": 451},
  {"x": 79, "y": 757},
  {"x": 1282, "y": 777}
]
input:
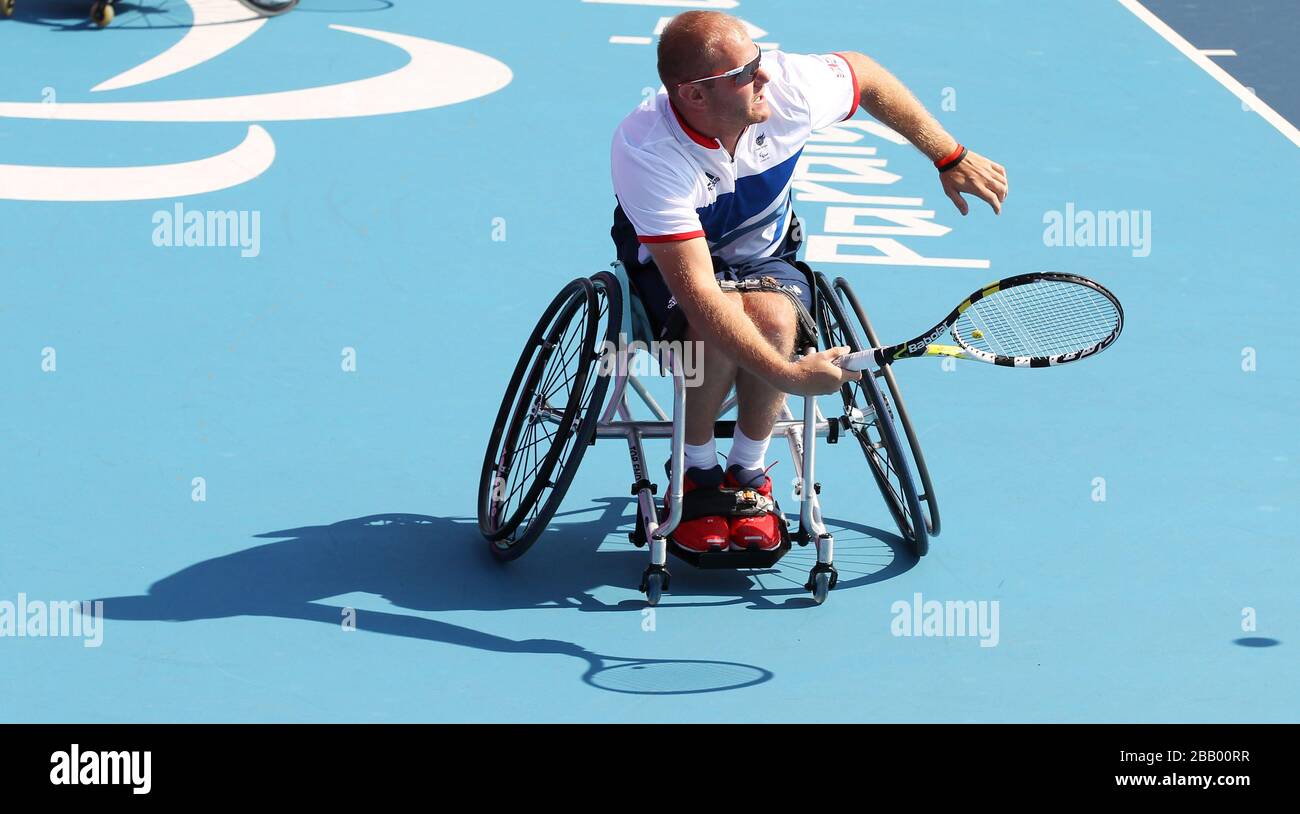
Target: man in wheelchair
[{"x": 706, "y": 231}]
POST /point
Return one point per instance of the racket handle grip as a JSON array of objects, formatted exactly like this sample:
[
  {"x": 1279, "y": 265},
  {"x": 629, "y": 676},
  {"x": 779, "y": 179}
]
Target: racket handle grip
[{"x": 860, "y": 360}]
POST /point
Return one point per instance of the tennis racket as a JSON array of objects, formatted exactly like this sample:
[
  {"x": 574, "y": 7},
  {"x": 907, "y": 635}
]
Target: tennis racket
[{"x": 1031, "y": 320}]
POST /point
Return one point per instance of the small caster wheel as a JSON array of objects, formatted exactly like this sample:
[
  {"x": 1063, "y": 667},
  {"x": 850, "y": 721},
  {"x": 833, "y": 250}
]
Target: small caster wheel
[
  {"x": 653, "y": 583},
  {"x": 7, "y": 8},
  {"x": 821, "y": 579},
  {"x": 654, "y": 589},
  {"x": 101, "y": 13},
  {"x": 821, "y": 586}
]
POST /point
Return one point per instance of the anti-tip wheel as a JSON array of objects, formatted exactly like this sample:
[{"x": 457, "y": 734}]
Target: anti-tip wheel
[
  {"x": 821, "y": 586},
  {"x": 101, "y": 14}
]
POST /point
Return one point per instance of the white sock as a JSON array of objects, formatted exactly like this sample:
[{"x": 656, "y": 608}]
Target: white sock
[
  {"x": 702, "y": 456},
  {"x": 748, "y": 453}
]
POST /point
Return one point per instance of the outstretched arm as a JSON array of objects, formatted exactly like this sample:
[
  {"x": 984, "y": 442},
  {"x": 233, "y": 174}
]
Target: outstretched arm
[{"x": 891, "y": 103}]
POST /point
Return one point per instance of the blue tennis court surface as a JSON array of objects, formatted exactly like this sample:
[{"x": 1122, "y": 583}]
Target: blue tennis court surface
[{"x": 263, "y": 457}]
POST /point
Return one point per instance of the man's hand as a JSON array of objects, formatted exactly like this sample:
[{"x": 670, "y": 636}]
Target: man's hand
[
  {"x": 885, "y": 98},
  {"x": 976, "y": 175},
  {"x": 817, "y": 374}
]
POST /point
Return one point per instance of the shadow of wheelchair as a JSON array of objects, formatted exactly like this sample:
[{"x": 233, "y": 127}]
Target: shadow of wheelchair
[{"x": 428, "y": 564}]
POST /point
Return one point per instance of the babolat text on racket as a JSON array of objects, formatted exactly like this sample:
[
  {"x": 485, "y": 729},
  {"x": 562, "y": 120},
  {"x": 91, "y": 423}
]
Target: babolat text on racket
[{"x": 1031, "y": 320}]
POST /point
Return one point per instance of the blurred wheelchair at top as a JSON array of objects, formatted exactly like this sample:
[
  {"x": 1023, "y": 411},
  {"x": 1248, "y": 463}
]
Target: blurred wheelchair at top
[{"x": 102, "y": 11}]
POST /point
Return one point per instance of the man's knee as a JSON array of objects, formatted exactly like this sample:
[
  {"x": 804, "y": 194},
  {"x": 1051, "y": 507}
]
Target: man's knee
[
  {"x": 774, "y": 316},
  {"x": 694, "y": 334},
  {"x": 709, "y": 365}
]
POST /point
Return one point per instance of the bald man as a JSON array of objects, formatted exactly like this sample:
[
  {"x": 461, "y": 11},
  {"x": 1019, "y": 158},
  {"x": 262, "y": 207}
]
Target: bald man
[{"x": 702, "y": 179}]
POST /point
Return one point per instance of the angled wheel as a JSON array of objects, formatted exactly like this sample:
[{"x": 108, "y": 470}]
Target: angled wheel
[
  {"x": 548, "y": 416},
  {"x": 7, "y": 8},
  {"x": 869, "y": 417},
  {"x": 928, "y": 500}
]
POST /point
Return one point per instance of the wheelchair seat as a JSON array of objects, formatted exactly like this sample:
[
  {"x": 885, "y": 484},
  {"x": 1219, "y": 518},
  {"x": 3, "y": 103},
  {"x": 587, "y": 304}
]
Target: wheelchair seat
[{"x": 635, "y": 315}]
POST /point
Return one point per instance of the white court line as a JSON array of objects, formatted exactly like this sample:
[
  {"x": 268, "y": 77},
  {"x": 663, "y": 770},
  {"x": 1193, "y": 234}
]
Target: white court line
[
  {"x": 620, "y": 40},
  {"x": 216, "y": 28},
  {"x": 1218, "y": 52},
  {"x": 436, "y": 74},
  {"x": 1239, "y": 90},
  {"x": 238, "y": 165}
]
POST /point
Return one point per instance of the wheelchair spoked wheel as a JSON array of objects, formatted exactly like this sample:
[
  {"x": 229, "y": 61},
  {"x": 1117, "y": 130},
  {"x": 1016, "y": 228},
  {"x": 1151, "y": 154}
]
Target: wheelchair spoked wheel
[
  {"x": 270, "y": 8},
  {"x": 548, "y": 416},
  {"x": 869, "y": 417},
  {"x": 928, "y": 500}
]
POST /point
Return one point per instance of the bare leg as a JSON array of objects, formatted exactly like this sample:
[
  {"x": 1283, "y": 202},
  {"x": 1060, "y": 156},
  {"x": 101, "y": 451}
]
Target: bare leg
[
  {"x": 718, "y": 373},
  {"x": 759, "y": 403}
]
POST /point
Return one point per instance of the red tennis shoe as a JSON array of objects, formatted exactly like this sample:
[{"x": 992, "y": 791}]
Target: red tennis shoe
[
  {"x": 703, "y": 533},
  {"x": 759, "y": 532}
]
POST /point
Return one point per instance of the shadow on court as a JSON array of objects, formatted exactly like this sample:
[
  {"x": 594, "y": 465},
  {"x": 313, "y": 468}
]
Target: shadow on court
[
  {"x": 428, "y": 564},
  {"x": 1256, "y": 641},
  {"x": 70, "y": 15}
]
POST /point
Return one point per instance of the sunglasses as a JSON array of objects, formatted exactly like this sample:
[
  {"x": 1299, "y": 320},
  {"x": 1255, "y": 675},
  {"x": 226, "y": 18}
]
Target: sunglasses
[{"x": 741, "y": 76}]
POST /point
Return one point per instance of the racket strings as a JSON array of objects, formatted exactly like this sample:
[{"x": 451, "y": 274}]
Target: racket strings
[{"x": 1045, "y": 318}]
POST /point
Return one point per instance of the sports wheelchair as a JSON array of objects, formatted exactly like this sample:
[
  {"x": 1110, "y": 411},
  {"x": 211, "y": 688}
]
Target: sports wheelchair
[
  {"x": 567, "y": 392},
  {"x": 102, "y": 11}
]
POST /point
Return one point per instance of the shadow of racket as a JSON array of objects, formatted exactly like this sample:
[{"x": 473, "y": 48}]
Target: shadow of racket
[{"x": 655, "y": 676}]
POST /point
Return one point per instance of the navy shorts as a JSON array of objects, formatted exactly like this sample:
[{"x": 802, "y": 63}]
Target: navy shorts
[{"x": 668, "y": 321}]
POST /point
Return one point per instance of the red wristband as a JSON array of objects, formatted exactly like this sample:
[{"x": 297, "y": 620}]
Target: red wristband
[{"x": 949, "y": 157}]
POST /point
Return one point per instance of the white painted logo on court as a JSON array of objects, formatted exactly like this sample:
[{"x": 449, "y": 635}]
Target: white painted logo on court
[{"x": 437, "y": 74}]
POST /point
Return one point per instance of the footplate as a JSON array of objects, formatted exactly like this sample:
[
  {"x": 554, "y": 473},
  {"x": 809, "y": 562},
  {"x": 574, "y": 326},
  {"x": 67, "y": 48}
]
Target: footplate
[{"x": 748, "y": 558}]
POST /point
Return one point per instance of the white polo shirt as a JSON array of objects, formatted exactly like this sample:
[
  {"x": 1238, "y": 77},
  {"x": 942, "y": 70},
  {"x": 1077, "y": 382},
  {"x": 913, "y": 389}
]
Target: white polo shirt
[{"x": 675, "y": 184}]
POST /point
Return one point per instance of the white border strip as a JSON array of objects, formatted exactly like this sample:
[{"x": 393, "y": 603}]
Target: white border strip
[{"x": 1248, "y": 98}]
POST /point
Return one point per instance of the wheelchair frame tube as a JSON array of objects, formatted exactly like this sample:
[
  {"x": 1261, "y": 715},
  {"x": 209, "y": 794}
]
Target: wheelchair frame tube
[
  {"x": 645, "y": 501},
  {"x": 654, "y": 430},
  {"x": 802, "y": 437},
  {"x": 810, "y": 510},
  {"x": 617, "y": 402},
  {"x": 648, "y": 399},
  {"x": 658, "y": 551}
]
